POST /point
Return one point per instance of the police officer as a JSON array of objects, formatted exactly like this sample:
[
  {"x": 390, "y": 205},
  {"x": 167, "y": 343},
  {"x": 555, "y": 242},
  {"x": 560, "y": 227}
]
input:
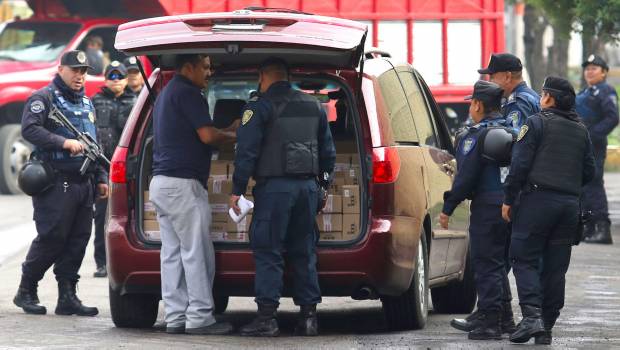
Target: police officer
[
  {"x": 284, "y": 142},
  {"x": 479, "y": 178},
  {"x": 519, "y": 101},
  {"x": 113, "y": 105},
  {"x": 135, "y": 79},
  {"x": 552, "y": 160},
  {"x": 62, "y": 214},
  {"x": 597, "y": 105}
]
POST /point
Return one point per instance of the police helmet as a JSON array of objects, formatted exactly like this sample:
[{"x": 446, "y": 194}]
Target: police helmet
[
  {"x": 497, "y": 145},
  {"x": 35, "y": 177}
]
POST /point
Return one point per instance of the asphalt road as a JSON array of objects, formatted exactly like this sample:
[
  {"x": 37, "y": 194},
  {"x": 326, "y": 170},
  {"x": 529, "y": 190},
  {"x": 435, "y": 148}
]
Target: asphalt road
[{"x": 590, "y": 319}]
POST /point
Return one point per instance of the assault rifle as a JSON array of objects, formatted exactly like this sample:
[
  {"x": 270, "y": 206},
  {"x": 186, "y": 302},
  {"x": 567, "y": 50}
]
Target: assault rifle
[{"x": 92, "y": 151}]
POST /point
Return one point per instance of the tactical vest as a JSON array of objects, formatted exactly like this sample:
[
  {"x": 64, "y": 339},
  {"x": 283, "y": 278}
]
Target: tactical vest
[
  {"x": 112, "y": 114},
  {"x": 81, "y": 115},
  {"x": 490, "y": 176},
  {"x": 558, "y": 164},
  {"x": 290, "y": 139}
]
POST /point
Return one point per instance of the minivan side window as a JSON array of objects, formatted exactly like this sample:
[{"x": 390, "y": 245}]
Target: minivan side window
[
  {"x": 441, "y": 129},
  {"x": 398, "y": 109},
  {"x": 417, "y": 103}
]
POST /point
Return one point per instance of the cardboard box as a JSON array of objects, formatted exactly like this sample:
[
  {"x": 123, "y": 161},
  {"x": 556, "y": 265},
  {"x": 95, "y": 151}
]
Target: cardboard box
[
  {"x": 219, "y": 217},
  {"x": 151, "y": 229},
  {"x": 217, "y": 236},
  {"x": 350, "y": 199},
  {"x": 149, "y": 212},
  {"x": 219, "y": 205},
  {"x": 331, "y": 236},
  {"x": 336, "y": 186},
  {"x": 221, "y": 168},
  {"x": 229, "y": 237},
  {"x": 218, "y": 227},
  {"x": 329, "y": 222},
  {"x": 218, "y": 185},
  {"x": 334, "y": 204},
  {"x": 352, "y": 176},
  {"x": 350, "y": 226},
  {"x": 242, "y": 226}
]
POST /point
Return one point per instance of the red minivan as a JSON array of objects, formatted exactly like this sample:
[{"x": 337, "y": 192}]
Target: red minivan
[{"x": 381, "y": 240}]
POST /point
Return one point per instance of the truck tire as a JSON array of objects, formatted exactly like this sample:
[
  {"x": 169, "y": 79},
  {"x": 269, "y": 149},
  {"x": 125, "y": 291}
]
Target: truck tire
[
  {"x": 221, "y": 303},
  {"x": 410, "y": 310},
  {"x": 458, "y": 297},
  {"x": 14, "y": 152},
  {"x": 133, "y": 310}
]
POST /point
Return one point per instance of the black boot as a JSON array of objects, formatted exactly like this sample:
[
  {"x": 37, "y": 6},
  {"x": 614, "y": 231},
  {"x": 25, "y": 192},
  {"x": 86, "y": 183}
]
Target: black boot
[
  {"x": 487, "y": 328},
  {"x": 507, "y": 319},
  {"x": 265, "y": 323},
  {"x": 27, "y": 298},
  {"x": 530, "y": 326},
  {"x": 69, "y": 303},
  {"x": 602, "y": 234},
  {"x": 546, "y": 338},
  {"x": 468, "y": 323},
  {"x": 307, "y": 325}
]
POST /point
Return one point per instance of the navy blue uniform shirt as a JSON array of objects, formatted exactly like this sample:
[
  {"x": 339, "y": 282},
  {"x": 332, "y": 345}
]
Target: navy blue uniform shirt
[
  {"x": 250, "y": 137},
  {"x": 524, "y": 152},
  {"x": 598, "y": 108},
  {"x": 475, "y": 177},
  {"x": 520, "y": 104},
  {"x": 181, "y": 109}
]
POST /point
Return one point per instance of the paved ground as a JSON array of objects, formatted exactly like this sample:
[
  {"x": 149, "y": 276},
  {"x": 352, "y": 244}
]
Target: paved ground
[{"x": 590, "y": 320}]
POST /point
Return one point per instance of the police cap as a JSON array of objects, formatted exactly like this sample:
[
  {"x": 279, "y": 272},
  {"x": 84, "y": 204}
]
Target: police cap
[
  {"x": 131, "y": 63},
  {"x": 486, "y": 91},
  {"x": 502, "y": 62},
  {"x": 595, "y": 60},
  {"x": 558, "y": 86},
  {"x": 75, "y": 59},
  {"x": 115, "y": 66}
]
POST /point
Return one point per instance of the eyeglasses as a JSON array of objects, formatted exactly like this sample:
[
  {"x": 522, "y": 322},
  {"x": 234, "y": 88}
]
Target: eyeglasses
[{"x": 115, "y": 76}]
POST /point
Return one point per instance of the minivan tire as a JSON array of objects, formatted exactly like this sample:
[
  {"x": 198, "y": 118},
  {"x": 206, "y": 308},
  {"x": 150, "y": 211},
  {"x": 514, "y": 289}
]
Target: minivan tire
[
  {"x": 133, "y": 310},
  {"x": 221, "y": 303},
  {"x": 410, "y": 310},
  {"x": 458, "y": 297}
]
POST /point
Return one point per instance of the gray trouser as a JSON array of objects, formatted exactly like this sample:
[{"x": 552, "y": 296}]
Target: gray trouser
[{"x": 187, "y": 254}]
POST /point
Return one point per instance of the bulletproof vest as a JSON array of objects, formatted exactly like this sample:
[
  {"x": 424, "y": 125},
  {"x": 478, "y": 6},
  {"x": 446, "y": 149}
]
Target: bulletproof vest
[
  {"x": 112, "y": 114},
  {"x": 558, "y": 164},
  {"x": 290, "y": 139},
  {"x": 81, "y": 115},
  {"x": 490, "y": 176}
]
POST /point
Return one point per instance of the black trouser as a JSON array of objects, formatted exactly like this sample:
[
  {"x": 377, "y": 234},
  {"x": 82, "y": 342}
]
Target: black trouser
[
  {"x": 63, "y": 216},
  {"x": 101, "y": 206},
  {"x": 544, "y": 226},
  {"x": 594, "y": 196}
]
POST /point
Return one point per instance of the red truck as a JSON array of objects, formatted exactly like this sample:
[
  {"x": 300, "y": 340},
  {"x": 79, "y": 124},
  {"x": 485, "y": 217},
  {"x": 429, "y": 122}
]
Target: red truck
[{"x": 442, "y": 30}]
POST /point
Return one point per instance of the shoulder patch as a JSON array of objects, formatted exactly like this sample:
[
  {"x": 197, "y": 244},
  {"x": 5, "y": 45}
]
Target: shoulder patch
[
  {"x": 522, "y": 132},
  {"x": 614, "y": 99},
  {"x": 37, "y": 106},
  {"x": 247, "y": 115},
  {"x": 513, "y": 118},
  {"x": 468, "y": 145}
]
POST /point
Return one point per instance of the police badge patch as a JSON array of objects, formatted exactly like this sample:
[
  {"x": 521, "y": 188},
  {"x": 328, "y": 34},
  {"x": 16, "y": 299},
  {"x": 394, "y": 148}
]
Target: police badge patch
[
  {"x": 247, "y": 115},
  {"x": 37, "y": 106},
  {"x": 513, "y": 117},
  {"x": 468, "y": 145},
  {"x": 132, "y": 60},
  {"x": 81, "y": 57},
  {"x": 522, "y": 132}
]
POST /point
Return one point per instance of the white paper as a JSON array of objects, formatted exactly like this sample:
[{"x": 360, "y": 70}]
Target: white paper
[{"x": 245, "y": 206}]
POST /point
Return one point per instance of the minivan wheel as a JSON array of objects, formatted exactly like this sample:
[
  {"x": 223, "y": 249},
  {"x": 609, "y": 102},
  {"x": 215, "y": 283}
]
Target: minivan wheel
[
  {"x": 133, "y": 310},
  {"x": 221, "y": 303},
  {"x": 410, "y": 310},
  {"x": 14, "y": 152},
  {"x": 458, "y": 297}
]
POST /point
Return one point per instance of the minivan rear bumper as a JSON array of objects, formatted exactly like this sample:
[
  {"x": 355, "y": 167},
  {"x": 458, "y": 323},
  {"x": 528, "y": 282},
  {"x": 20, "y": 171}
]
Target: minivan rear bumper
[{"x": 381, "y": 262}]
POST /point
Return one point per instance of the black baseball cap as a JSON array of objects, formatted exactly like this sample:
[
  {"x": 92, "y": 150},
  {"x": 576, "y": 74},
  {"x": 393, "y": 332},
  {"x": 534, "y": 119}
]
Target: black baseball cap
[
  {"x": 502, "y": 62},
  {"x": 115, "y": 66},
  {"x": 595, "y": 60},
  {"x": 486, "y": 91},
  {"x": 75, "y": 59},
  {"x": 558, "y": 86},
  {"x": 131, "y": 63}
]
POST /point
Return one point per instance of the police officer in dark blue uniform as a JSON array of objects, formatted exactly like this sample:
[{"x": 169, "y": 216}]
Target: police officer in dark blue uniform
[
  {"x": 112, "y": 105},
  {"x": 597, "y": 105},
  {"x": 285, "y": 143},
  {"x": 478, "y": 178},
  {"x": 552, "y": 160},
  {"x": 63, "y": 214}
]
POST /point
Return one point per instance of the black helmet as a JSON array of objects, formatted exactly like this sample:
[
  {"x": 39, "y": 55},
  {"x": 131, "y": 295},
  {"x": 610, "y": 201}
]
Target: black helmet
[
  {"x": 35, "y": 177},
  {"x": 497, "y": 145}
]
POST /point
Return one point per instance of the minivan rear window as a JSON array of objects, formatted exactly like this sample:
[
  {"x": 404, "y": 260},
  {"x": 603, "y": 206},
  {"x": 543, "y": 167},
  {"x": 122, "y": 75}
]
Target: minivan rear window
[{"x": 396, "y": 104}]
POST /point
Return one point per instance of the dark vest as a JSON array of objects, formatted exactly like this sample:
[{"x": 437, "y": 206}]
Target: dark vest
[
  {"x": 558, "y": 164},
  {"x": 290, "y": 140},
  {"x": 112, "y": 114},
  {"x": 81, "y": 115}
]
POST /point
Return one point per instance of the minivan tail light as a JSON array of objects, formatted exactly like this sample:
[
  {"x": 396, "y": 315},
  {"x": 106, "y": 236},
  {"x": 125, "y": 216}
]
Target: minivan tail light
[
  {"x": 385, "y": 165},
  {"x": 118, "y": 166}
]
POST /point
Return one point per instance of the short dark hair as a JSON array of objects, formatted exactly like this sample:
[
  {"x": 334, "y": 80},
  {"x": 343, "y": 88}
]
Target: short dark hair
[
  {"x": 492, "y": 105},
  {"x": 274, "y": 65},
  {"x": 193, "y": 59},
  {"x": 563, "y": 101},
  {"x": 94, "y": 39}
]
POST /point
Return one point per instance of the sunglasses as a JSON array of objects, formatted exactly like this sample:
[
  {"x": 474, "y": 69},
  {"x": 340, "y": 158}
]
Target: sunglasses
[{"x": 115, "y": 76}]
